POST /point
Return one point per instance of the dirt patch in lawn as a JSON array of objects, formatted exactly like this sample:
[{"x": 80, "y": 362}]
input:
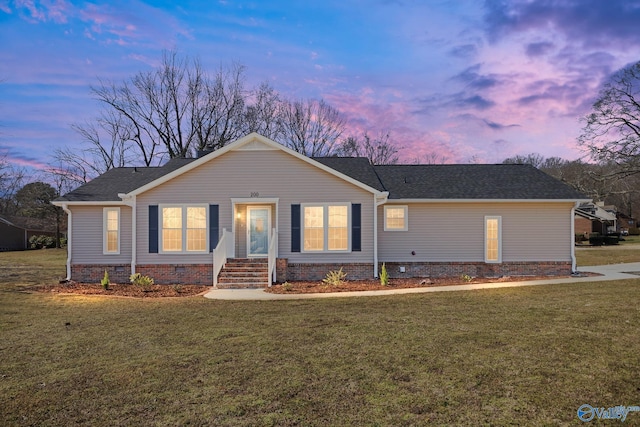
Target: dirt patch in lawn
[
  {"x": 374, "y": 285},
  {"x": 154, "y": 291}
]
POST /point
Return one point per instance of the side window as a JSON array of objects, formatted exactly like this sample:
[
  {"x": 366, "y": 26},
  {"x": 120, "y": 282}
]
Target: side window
[
  {"x": 111, "y": 234},
  {"x": 396, "y": 218},
  {"x": 493, "y": 239}
]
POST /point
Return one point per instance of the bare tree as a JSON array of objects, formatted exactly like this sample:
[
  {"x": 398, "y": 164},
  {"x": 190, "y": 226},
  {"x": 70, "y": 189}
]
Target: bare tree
[
  {"x": 11, "y": 180},
  {"x": 310, "y": 127},
  {"x": 379, "y": 150},
  {"x": 612, "y": 130},
  {"x": 263, "y": 115},
  {"x": 219, "y": 108},
  {"x": 534, "y": 159},
  {"x": 171, "y": 111}
]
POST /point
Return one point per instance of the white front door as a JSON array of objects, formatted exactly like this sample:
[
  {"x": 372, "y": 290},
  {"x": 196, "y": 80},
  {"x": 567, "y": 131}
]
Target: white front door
[{"x": 259, "y": 224}]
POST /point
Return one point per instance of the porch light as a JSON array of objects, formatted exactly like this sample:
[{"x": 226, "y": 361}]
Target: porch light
[{"x": 238, "y": 215}]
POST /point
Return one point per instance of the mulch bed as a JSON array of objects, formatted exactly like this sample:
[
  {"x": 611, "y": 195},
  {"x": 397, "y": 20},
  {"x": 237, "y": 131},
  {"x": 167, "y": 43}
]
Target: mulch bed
[
  {"x": 128, "y": 290},
  {"x": 159, "y": 291}
]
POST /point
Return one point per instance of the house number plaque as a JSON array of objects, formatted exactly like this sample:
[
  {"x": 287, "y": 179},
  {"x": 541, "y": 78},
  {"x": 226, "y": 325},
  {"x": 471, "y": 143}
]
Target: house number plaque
[{"x": 255, "y": 194}]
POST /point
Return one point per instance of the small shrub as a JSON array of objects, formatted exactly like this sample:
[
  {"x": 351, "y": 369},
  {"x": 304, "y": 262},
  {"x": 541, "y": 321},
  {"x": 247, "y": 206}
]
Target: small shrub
[
  {"x": 145, "y": 282},
  {"x": 466, "y": 278},
  {"x": 41, "y": 242},
  {"x": 384, "y": 276},
  {"x": 105, "y": 281},
  {"x": 633, "y": 231},
  {"x": 287, "y": 286},
  {"x": 177, "y": 288},
  {"x": 335, "y": 277}
]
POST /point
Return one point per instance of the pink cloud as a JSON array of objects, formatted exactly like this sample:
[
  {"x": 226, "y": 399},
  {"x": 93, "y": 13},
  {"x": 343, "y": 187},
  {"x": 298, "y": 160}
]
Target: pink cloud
[{"x": 45, "y": 10}]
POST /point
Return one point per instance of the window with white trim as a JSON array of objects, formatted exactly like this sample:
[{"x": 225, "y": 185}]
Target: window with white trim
[
  {"x": 111, "y": 227},
  {"x": 396, "y": 218},
  {"x": 493, "y": 239},
  {"x": 326, "y": 227},
  {"x": 183, "y": 228}
]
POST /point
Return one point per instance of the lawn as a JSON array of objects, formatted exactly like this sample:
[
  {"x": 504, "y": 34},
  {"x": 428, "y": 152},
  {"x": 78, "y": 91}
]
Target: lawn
[
  {"x": 628, "y": 251},
  {"x": 520, "y": 356}
]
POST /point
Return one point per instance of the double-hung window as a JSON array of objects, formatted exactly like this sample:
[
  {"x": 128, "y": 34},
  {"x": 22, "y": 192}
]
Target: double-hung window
[
  {"x": 326, "y": 227},
  {"x": 183, "y": 228},
  {"x": 396, "y": 218},
  {"x": 493, "y": 239},
  {"x": 111, "y": 234}
]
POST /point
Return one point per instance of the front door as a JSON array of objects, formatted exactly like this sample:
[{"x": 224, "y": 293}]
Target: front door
[{"x": 259, "y": 218}]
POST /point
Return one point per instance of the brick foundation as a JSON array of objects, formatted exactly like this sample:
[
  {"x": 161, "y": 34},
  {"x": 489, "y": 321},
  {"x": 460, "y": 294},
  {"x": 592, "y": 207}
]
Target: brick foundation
[
  {"x": 162, "y": 274},
  {"x": 172, "y": 274},
  {"x": 93, "y": 273},
  {"x": 202, "y": 274},
  {"x": 425, "y": 269},
  {"x": 319, "y": 271},
  {"x": 478, "y": 269}
]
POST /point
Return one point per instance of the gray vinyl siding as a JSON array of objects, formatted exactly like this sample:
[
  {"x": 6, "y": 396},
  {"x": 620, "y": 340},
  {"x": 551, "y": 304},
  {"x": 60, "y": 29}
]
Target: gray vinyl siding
[
  {"x": 455, "y": 232},
  {"x": 269, "y": 173},
  {"x": 87, "y": 234}
]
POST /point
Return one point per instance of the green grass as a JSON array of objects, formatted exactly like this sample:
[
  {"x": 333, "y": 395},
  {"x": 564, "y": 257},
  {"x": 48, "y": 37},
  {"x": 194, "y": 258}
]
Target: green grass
[
  {"x": 519, "y": 356},
  {"x": 603, "y": 255}
]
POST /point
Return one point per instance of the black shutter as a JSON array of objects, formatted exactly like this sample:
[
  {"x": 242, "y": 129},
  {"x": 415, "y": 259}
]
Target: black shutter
[
  {"x": 356, "y": 227},
  {"x": 295, "y": 228},
  {"x": 153, "y": 229},
  {"x": 214, "y": 228}
]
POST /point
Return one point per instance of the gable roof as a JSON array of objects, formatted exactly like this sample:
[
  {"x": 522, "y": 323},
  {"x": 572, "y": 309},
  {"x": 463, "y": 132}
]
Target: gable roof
[
  {"x": 473, "y": 182},
  {"x": 400, "y": 182},
  {"x": 252, "y": 141}
]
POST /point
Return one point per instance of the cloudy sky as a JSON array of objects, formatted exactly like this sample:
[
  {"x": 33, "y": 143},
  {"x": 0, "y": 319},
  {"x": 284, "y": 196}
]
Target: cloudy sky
[{"x": 456, "y": 80}]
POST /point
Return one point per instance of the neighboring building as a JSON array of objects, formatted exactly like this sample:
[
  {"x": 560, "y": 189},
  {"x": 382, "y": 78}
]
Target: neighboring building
[
  {"x": 15, "y": 232},
  {"x": 12, "y": 237},
  {"x": 626, "y": 223},
  {"x": 256, "y": 199},
  {"x": 594, "y": 218}
]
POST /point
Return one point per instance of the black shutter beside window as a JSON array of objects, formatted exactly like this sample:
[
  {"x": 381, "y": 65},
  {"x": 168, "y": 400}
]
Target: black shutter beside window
[
  {"x": 153, "y": 229},
  {"x": 295, "y": 228},
  {"x": 214, "y": 227},
  {"x": 356, "y": 227}
]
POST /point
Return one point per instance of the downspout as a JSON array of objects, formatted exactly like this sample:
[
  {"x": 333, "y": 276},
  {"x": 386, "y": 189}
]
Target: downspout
[
  {"x": 375, "y": 236},
  {"x": 134, "y": 235},
  {"x": 69, "y": 239},
  {"x": 131, "y": 201},
  {"x": 378, "y": 200},
  {"x": 574, "y": 268}
]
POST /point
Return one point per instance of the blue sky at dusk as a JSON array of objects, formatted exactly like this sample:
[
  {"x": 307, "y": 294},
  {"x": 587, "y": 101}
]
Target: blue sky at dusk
[{"x": 459, "y": 80}]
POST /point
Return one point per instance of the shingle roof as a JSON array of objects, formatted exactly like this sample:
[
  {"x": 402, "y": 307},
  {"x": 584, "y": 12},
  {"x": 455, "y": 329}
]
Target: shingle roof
[
  {"x": 107, "y": 186},
  {"x": 357, "y": 168},
  {"x": 502, "y": 181}
]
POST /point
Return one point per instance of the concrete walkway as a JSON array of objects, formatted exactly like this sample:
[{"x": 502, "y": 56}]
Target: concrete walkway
[{"x": 607, "y": 272}]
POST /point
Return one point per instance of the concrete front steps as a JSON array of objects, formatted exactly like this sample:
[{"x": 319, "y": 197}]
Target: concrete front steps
[{"x": 244, "y": 273}]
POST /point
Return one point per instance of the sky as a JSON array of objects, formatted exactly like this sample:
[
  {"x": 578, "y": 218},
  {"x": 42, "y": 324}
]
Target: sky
[{"x": 451, "y": 81}]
